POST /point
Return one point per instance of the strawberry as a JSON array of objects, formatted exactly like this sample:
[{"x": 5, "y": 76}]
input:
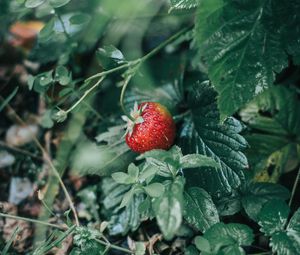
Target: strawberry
[{"x": 151, "y": 127}]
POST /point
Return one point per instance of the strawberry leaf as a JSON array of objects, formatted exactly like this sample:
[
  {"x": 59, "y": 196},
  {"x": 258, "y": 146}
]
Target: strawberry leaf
[{"x": 202, "y": 133}]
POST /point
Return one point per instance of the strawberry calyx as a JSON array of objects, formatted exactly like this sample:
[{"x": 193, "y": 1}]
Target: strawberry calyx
[{"x": 135, "y": 118}]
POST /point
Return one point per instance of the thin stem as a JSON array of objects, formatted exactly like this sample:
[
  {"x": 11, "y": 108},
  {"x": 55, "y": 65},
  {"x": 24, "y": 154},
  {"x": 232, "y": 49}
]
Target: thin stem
[
  {"x": 165, "y": 43},
  {"x": 126, "y": 82},
  {"x": 140, "y": 60},
  {"x": 21, "y": 151},
  {"x": 104, "y": 73},
  {"x": 32, "y": 220},
  {"x": 11, "y": 239},
  {"x": 115, "y": 247},
  {"x": 294, "y": 187},
  {"x": 86, "y": 93},
  {"x": 49, "y": 161}
]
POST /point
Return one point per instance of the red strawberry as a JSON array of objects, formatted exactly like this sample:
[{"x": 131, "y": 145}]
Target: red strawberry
[{"x": 152, "y": 127}]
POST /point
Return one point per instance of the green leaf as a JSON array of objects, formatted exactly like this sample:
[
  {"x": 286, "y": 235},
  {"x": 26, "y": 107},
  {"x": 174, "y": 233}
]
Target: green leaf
[
  {"x": 127, "y": 198},
  {"x": 202, "y": 244},
  {"x": 45, "y": 78},
  {"x": 109, "y": 57},
  {"x": 184, "y": 4},
  {"x": 58, "y": 3},
  {"x": 122, "y": 178},
  {"x": 47, "y": 31},
  {"x": 273, "y": 216},
  {"x": 255, "y": 195},
  {"x": 282, "y": 244},
  {"x": 80, "y": 19},
  {"x": 127, "y": 219},
  {"x": 62, "y": 75},
  {"x": 168, "y": 208},
  {"x": 154, "y": 189},
  {"x": 229, "y": 237},
  {"x": 133, "y": 171},
  {"x": 197, "y": 160},
  {"x": 200, "y": 210},
  {"x": 202, "y": 133},
  {"x": 33, "y": 3},
  {"x": 241, "y": 43}
]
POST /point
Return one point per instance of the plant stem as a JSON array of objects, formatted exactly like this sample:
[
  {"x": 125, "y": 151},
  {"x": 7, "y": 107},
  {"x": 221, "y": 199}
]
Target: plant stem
[
  {"x": 294, "y": 187},
  {"x": 86, "y": 93},
  {"x": 126, "y": 82},
  {"x": 32, "y": 220},
  {"x": 144, "y": 58},
  {"x": 115, "y": 247},
  {"x": 165, "y": 43},
  {"x": 21, "y": 151}
]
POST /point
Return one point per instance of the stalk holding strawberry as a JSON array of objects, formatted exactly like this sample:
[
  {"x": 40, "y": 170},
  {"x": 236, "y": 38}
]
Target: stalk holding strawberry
[{"x": 151, "y": 127}]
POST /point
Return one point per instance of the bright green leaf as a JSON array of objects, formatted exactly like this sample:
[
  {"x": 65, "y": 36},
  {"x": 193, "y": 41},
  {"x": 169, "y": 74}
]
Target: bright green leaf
[
  {"x": 154, "y": 189},
  {"x": 197, "y": 160},
  {"x": 202, "y": 244},
  {"x": 168, "y": 208}
]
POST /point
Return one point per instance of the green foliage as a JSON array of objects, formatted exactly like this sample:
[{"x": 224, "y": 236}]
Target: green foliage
[
  {"x": 200, "y": 210},
  {"x": 255, "y": 195},
  {"x": 202, "y": 133},
  {"x": 239, "y": 57},
  {"x": 244, "y": 44},
  {"x": 168, "y": 208},
  {"x": 225, "y": 239},
  {"x": 284, "y": 236}
]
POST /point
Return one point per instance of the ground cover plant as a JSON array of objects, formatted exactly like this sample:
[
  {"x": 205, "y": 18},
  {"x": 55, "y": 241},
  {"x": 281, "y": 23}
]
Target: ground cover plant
[{"x": 150, "y": 127}]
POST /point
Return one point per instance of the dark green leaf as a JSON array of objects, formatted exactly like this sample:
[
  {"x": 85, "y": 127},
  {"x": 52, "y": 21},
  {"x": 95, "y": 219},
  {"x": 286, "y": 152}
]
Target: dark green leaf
[
  {"x": 203, "y": 133},
  {"x": 282, "y": 244},
  {"x": 229, "y": 237},
  {"x": 241, "y": 43},
  {"x": 110, "y": 57},
  {"x": 273, "y": 216},
  {"x": 200, "y": 210},
  {"x": 257, "y": 194},
  {"x": 168, "y": 208}
]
